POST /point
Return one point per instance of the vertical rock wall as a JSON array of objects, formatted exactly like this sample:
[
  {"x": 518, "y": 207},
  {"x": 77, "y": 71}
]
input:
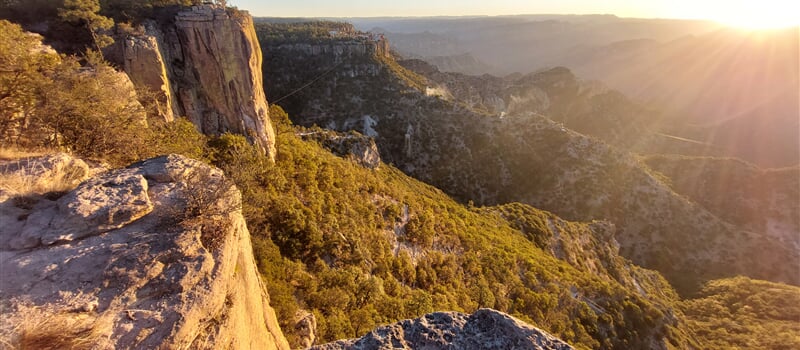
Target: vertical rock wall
[
  {"x": 204, "y": 63},
  {"x": 145, "y": 67}
]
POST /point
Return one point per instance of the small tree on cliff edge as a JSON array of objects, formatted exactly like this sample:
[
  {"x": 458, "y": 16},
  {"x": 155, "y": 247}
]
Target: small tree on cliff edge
[{"x": 86, "y": 13}]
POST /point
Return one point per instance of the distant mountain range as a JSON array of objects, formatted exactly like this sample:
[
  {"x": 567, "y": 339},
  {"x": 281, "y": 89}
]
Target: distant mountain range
[
  {"x": 737, "y": 90},
  {"x": 522, "y": 138}
]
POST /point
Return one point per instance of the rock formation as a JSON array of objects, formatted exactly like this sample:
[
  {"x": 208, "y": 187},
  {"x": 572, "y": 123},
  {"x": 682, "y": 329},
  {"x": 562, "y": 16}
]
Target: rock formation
[
  {"x": 306, "y": 328},
  {"x": 484, "y": 329},
  {"x": 156, "y": 255},
  {"x": 352, "y": 145},
  {"x": 145, "y": 66},
  {"x": 204, "y": 63}
]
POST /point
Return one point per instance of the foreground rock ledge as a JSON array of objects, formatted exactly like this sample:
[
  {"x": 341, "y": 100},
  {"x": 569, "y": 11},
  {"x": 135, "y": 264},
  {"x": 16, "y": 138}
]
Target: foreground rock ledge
[
  {"x": 153, "y": 256},
  {"x": 484, "y": 329}
]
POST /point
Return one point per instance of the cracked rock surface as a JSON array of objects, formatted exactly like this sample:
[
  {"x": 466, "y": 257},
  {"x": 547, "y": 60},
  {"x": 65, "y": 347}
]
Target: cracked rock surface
[{"x": 119, "y": 262}]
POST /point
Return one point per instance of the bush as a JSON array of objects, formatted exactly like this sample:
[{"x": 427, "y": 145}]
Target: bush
[
  {"x": 210, "y": 199},
  {"x": 179, "y": 136},
  {"x": 51, "y": 101}
]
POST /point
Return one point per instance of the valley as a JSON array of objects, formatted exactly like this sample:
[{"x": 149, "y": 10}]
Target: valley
[
  {"x": 182, "y": 174},
  {"x": 489, "y": 142}
]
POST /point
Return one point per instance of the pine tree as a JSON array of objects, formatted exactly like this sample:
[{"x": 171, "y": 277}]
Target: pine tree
[{"x": 86, "y": 13}]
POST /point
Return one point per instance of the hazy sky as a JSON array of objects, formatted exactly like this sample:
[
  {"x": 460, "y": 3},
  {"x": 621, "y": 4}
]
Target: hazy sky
[
  {"x": 710, "y": 9},
  {"x": 759, "y": 12}
]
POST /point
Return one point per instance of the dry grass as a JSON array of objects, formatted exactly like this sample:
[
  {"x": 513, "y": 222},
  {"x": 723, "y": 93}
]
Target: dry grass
[
  {"x": 25, "y": 185},
  {"x": 59, "y": 332},
  {"x": 14, "y": 153},
  {"x": 33, "y": 178},
  {"x": 33, "y": 327}
]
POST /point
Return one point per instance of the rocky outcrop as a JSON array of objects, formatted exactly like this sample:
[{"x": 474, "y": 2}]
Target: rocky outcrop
[
  {"x": 360, "y": 148},
  {"x": 156, "y": 255},
  {"x": 204, "y": 63},
  {"x": 305, "y": 328},
  {"x": 144, "y": 64},
  {"x": 484, "y": 329}
]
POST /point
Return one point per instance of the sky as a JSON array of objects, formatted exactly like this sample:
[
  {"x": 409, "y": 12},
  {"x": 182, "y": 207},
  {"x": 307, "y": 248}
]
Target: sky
[{"x": 758, "y": 13}]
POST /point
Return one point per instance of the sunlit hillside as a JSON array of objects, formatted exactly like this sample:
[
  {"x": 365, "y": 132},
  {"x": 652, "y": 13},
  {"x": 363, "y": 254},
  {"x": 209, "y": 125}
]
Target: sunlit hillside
[
  {"x": 185, "y": 174},
  {"x": 713, "y": 81}
]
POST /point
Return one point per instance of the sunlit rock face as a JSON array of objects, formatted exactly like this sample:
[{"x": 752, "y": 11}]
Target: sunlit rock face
[
  {"x": 360, "y": 148},
  {"x": 204, "y": 63},
  {"x": 156, "y": 255},
  {"x": 145, "y": 66}
]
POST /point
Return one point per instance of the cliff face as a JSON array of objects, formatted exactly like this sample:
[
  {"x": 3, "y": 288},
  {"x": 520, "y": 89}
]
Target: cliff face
[
  {"x": 204, "y": 63},
  {"x": 145, "y": 67},
  {"x": 153, "y": 256},
  {"x": 331, "y": 61}
]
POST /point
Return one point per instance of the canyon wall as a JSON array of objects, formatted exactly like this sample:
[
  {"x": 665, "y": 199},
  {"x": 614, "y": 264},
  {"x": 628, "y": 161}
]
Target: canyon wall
[{"x": 203, "y": 63}]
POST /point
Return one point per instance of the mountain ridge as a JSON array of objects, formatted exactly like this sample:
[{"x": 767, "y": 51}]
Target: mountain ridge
[
  {"x": 442, "y": 142},
  {"x": 349, "y": 245}
]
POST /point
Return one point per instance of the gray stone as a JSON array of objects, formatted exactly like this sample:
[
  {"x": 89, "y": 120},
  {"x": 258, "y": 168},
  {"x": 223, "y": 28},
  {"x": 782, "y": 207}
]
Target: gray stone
[
  {"x": 353, "y": 145},
  {"x": 484, "y": 329},
  {"x": 104, "y": 203}
]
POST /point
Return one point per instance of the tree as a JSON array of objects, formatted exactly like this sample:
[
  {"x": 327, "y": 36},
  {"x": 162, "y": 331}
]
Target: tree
[
  {"x": 25, "y": 66},
  {"x": 28, "y": 11},
  {"x": 86, "y": 14},
  {"x": 88, "y": 120},
  {"x": 135, "y": 10},
  {"x": 49, "y": 100}
]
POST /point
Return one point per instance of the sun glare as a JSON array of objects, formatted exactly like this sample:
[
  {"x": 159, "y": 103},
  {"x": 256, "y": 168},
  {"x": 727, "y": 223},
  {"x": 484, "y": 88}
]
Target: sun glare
[{"x": 755, "y": 15}]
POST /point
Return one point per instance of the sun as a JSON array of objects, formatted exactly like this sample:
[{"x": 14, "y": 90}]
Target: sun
[{"x": 758, "y": 14}]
